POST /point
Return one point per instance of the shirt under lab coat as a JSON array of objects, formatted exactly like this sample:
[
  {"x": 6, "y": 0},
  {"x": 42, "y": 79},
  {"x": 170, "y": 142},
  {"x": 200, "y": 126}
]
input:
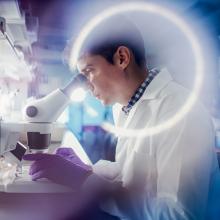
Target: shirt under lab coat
[{"x": 172, "y": 170}]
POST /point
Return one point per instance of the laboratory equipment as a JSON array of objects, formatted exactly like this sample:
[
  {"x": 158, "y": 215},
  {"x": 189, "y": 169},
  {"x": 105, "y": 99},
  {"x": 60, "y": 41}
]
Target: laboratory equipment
[{"x": 39, "y": 117}]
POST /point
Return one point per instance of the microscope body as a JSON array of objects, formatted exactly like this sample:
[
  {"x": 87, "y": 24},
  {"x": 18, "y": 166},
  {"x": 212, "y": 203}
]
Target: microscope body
[
  {"x": 38, "y": 126},
  {"x": 40, "y": 116}
]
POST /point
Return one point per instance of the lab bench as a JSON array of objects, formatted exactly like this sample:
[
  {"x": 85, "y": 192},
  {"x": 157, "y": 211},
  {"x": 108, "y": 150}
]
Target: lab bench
[{"x": 26, "y": 199}]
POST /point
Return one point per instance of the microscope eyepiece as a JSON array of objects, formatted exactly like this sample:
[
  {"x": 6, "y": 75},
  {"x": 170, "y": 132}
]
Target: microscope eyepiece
[{"x": 78, "y": 81}]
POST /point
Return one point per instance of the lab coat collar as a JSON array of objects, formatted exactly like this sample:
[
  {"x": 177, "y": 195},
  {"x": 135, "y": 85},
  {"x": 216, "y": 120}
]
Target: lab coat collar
[
  {"x": 151, "y": 92},
  {"x": 157, "y": 84}
]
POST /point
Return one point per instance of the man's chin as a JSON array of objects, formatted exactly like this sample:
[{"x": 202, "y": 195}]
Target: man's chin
[{"x": 105, "y": 102}]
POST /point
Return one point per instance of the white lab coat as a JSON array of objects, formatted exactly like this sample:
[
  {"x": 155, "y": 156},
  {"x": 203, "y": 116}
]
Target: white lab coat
[{"x": 173, "y": 169}]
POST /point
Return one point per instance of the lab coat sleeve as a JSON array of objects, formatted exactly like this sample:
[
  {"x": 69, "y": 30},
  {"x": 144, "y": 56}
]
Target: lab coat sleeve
[
  {"x": 108, "y": 170},
  {"x": 184, "y": 167},
  {"x": 106, "y": 174}
]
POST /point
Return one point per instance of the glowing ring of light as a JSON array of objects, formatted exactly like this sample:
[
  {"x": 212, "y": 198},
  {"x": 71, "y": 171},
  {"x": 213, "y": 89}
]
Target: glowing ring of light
[{"x": 199, "y": 64}]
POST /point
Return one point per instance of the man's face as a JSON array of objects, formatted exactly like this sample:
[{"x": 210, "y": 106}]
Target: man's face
[{"x": 104, "y": 77}]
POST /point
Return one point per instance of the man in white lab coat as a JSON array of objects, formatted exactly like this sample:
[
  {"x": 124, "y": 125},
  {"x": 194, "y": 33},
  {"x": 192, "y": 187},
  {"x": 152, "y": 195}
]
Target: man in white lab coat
[{"x": 168, "y": 175}]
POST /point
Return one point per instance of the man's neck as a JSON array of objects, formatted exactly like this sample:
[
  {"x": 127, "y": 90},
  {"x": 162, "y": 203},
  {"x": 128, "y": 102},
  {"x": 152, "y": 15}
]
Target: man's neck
[{"x": 133, "y": 80}]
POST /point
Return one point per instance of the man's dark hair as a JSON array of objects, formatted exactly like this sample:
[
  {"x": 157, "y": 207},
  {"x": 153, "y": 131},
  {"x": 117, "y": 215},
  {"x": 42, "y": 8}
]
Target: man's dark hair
[{"x": 111, "y": 33}]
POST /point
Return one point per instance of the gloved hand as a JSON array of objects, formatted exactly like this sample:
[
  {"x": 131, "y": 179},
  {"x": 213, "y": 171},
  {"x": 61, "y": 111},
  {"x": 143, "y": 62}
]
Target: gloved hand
[
  {"x": 58, "y": 169},
  {"x": 65, "y": 151},
  {"x": 69, "y": 154}
]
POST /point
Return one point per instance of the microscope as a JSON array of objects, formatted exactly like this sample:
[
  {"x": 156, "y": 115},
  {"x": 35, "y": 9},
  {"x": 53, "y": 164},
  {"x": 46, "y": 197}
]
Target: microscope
[{"x": 39, "y": 117}]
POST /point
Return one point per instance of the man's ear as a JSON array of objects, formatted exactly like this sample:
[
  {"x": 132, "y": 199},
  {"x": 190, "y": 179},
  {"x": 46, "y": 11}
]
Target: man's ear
[{"x": 122, "y": 57}]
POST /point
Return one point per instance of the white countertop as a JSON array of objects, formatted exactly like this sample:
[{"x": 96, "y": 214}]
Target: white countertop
[{"x": 24, "y": 184}]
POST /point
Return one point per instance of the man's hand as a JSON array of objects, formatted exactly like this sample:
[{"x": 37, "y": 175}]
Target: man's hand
[
  {"x": 69, "y": 154},
  {"x": 70, "y": 171}
]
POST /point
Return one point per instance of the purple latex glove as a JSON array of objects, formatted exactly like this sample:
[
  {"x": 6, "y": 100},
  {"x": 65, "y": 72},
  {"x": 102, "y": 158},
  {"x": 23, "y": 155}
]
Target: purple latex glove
[
  {"x": 58, "y": 169},
  {"x": 69, "y": 154},
  {"x": 65, "y": 151}
]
